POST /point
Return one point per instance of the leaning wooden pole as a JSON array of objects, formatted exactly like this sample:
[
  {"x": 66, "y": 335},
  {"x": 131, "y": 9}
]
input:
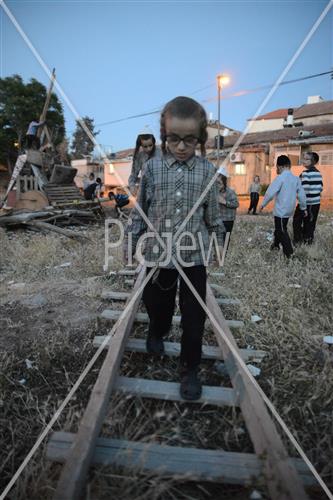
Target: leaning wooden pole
[
  {"x": 281, "y": 477},
  {"x": 46, "y": 103},
  {"x": 73, "y": 476}
]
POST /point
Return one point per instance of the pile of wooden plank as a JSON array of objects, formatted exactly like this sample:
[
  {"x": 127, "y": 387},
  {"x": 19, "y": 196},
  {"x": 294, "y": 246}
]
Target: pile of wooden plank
[{"x": 50, "y": 219}]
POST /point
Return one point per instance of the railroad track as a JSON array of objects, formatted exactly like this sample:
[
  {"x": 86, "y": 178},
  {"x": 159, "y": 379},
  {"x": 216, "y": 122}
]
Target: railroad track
[{"x": 286, "y": 477}]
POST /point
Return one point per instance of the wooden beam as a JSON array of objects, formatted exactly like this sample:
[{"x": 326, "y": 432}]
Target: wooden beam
[
  {"x": 169, "y": 391},
  {"x": 282, "y": 479},
  {"x": 40, "y": 176},
  {"x": 190, "y": 463},
  {"x": 53, "y": 228},
  {"x": 127, "y": 272},
  {"x": 46, "y": 103},
  {"x": 113, "y": 315},
  {"x": 173, "y": 349},
  {"x": 72, "y": 479},
  {"x": 111, "y": 295}
]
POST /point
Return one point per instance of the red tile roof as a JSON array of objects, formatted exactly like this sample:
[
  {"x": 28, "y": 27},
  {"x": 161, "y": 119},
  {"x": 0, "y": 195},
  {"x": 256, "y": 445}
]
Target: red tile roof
[
  {"x": 124, "y": 153},
  {"x": 281, "y": 135},
  {"x": 315, "y": 109},
  {"x": 273, "y": 115}
]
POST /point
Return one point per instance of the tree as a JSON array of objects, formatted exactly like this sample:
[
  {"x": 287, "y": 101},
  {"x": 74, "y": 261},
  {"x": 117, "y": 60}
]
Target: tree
[
  {"x": 20, "y": 103},
  {"x": 82, "y": 144},
  {"x": 62, "y": 150}
]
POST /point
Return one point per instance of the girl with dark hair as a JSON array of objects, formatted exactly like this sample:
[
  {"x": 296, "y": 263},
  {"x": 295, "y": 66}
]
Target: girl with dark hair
[
  {"x": 145, "y": 148},
  {"x": 170, "y": 187},
  {"x": 227, "y": 199}
]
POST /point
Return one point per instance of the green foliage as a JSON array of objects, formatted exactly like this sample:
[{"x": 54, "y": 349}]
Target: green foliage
[
  {"x": 82, "y": 144},
  {"x": 263, "y": 189},
  {"x": 20, "y": 103}
]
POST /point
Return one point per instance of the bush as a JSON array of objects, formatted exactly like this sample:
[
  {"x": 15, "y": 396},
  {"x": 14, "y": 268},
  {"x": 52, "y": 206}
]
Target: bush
[{"x": 263, "y": 189}]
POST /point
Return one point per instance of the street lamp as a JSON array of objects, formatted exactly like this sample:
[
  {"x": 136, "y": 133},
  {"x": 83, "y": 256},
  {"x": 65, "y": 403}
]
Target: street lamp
[{"x": 222, "y": 79}]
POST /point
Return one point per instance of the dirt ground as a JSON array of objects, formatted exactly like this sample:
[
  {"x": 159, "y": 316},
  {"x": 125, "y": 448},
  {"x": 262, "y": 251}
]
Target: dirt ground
[{"x": 50, "y": 291}]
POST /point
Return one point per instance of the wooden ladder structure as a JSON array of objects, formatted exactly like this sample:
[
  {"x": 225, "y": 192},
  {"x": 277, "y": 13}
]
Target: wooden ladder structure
[{"x": 285, "y": 477}]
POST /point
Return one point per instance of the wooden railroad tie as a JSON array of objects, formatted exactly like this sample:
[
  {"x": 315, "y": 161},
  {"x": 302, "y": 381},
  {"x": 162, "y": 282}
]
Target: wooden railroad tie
[
  {"x": 114, "y": 315},
  {"x": 124, "y": 296},
  {"x": 285, "y": 477}
]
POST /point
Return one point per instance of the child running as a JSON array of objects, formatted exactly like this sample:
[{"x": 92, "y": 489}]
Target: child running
[
  {"x": 145, "y": 148},
  {"x": 286, "y": 187},
  {"x": 170, "y": 187},
  {"x": 254, "y": 195},
  {"x": 312, "y": 182}
]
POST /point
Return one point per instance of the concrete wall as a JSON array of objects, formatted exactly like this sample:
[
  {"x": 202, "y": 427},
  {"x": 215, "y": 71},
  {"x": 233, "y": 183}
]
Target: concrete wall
[
  {"x": 315, "y": 120},
  {"x": 263, "y": 125},
  {"x": 85, "y": 168},
  {"x": 118, "y": 174},
  {"x": 255, "y": 163}
]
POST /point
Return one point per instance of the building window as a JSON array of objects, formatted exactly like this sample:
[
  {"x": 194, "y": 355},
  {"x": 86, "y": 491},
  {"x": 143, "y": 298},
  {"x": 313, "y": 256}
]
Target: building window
[
  {"x": 240, "y": 169},
  {"x": 111, "y": 169},
  {"x": 326, "y": 158}
]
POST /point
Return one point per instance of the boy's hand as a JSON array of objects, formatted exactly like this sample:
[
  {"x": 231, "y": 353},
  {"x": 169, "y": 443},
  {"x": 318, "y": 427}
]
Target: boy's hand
[{"x": 222, "y": 199}]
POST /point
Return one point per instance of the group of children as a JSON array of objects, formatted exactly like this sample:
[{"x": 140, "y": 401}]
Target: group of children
[
  {"x": 286, "y": 189},
  {"x": 173, "y": 181}
]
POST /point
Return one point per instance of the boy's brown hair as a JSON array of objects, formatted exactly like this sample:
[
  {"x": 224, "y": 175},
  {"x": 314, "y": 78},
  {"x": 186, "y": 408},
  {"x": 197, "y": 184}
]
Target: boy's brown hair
[{"x": 185, "y": 107}]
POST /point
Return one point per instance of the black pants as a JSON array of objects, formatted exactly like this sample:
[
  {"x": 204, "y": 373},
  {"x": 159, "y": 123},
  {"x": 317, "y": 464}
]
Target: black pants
[
  {"x": 281, "y": 235},
  {"x": 254, "y": 198},
  {"x": 298, "y": 225},
  {"x": 228, "y": 224},
  {"x": 32, "y": 141},
  {"x": 304, "y": 227},
  {"x": 159, "y": 298}
]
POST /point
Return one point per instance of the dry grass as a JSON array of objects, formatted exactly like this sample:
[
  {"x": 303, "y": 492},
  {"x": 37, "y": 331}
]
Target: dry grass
[{"x": 296, "y": 374}]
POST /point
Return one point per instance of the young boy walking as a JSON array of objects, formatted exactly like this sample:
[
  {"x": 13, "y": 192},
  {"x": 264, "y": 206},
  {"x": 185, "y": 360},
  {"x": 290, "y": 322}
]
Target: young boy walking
[
  {"x": 312, "y": 182},
  {"x": 286, "y": 187},
  {"x": 169, "y": 189}
]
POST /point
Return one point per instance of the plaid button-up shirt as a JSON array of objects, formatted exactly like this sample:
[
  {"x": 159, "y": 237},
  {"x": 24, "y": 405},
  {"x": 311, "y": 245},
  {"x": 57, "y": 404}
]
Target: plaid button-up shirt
[
  {"x": 228, "y": 204},
  {"x": 138, "y": 165},
  {"x": 168, "y": 191}
]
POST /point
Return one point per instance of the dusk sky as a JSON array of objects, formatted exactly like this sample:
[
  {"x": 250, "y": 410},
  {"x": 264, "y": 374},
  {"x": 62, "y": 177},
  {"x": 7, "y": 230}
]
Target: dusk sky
[{"x": 118, "y": 59}]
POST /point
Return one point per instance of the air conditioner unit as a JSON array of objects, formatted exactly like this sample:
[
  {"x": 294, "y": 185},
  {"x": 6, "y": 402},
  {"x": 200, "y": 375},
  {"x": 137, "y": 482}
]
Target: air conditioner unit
[{"x": 236, "y": 157}]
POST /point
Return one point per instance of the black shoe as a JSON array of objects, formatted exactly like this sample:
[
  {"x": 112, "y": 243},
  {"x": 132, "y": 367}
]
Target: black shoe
[
  {"x": 155, "y": 345},
  {"x": 190, "y": 385},
  {"x": 275, "y": 247}
]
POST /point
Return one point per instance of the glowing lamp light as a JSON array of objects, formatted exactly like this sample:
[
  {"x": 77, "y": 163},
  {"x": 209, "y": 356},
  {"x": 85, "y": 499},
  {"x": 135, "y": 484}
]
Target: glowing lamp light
[{"x": 223, "y": 80}]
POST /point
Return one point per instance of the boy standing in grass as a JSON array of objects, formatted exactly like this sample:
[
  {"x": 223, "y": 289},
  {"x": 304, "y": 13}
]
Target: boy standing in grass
[
  {"x": 286, "y": 187},
  {"x": 312, "y": 182}
]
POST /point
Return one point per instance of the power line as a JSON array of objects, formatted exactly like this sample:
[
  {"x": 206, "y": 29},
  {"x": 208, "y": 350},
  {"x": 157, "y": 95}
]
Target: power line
[
  {"x": 228, "y": 96},
  {"x": 265, "y": 87}
]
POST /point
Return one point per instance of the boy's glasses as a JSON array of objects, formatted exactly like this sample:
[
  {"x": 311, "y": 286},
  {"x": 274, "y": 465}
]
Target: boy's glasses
[{"x": 188, "y": 140}]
